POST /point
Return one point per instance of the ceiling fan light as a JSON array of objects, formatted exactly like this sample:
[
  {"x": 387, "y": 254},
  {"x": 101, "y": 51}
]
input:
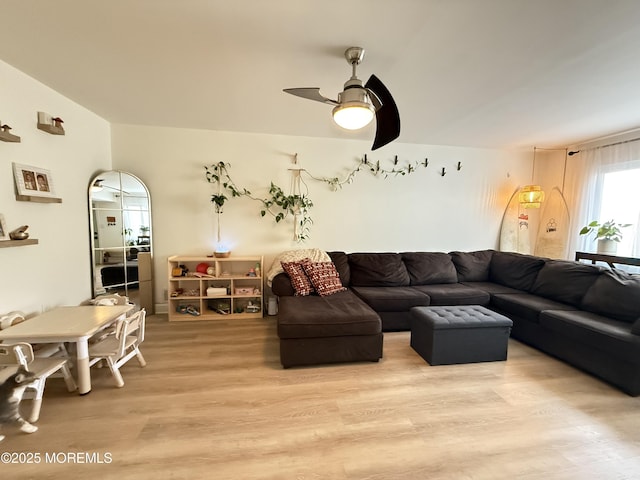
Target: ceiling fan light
[{"x": 353, "y": 115}]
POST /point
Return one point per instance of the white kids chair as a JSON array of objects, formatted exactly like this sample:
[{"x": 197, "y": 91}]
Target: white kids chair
[
  {"x": 21, "y": 353},
  {"x": 120, "y": 345}
]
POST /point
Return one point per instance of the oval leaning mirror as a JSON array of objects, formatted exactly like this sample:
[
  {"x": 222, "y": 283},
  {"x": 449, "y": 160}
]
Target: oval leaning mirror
[{"x": 121, "y": 237}]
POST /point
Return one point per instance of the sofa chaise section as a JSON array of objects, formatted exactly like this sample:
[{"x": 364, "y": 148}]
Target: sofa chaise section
[{"x": 318, "y": 330}]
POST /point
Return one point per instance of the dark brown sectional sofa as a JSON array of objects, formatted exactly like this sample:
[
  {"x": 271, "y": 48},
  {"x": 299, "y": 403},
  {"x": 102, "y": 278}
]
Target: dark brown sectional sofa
[{"x": 586, "y": 315}]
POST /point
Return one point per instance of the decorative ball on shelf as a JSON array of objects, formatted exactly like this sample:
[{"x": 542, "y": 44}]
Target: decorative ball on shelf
[
  {"x": 202, "y": 267},
  {"x": 211, "y": 271}
]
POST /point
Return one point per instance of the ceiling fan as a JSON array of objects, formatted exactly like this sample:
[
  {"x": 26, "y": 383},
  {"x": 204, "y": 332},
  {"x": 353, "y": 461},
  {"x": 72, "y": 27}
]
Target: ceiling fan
[
  {"x": 357, "y": 104},
  {"x": 98, "y": 186}
]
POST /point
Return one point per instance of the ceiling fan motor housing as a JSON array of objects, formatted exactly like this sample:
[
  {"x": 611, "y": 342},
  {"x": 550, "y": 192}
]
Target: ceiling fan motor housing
[{"x": 357, "y": 94}]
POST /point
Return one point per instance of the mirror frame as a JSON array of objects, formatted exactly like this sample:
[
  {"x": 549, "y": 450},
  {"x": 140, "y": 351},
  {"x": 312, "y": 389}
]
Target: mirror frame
[{"x": 123, "y": 246}]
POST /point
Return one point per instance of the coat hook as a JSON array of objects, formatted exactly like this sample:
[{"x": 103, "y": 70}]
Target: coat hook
[
  {"x": 426, "y": 162},
  {"x": 443, "y": 173},
  {"x": 365, "y": 158},
  {"x": 459, "y": 165},
  {"x": 395, "y": 160}
]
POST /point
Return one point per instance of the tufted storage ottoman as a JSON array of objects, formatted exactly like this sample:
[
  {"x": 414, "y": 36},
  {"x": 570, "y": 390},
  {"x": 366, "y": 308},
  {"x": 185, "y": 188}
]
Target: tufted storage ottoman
[{"x": 459, "y": 334}]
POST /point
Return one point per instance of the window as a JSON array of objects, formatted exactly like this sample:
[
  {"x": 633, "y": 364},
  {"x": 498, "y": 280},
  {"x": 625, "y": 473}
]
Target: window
[
  {"x": 602, "y": 185},
  {"x": 616, "y": 189}
]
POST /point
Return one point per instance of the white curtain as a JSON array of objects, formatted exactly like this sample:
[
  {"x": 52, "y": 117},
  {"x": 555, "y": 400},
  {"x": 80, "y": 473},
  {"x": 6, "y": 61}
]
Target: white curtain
[{"x": 584, "y": 184}]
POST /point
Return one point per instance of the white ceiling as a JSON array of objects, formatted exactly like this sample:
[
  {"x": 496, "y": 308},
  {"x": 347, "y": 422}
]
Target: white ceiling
[{"x": 477, "y": 73}]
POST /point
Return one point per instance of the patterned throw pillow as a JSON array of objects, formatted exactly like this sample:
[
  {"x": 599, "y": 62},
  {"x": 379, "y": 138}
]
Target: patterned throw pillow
[
  {"x": 299, "y": 280},
  {"x": 324, "y": 277}
]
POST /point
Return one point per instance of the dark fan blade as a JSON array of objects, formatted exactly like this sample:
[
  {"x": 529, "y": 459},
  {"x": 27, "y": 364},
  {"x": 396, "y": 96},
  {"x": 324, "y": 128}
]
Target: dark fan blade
[
  {"x": 311, "y": 94},
  {"x": 387, "y": 116}
]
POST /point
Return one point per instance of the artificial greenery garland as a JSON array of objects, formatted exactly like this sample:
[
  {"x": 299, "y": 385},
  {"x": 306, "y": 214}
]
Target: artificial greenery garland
[{"x": 296, "y": 205}]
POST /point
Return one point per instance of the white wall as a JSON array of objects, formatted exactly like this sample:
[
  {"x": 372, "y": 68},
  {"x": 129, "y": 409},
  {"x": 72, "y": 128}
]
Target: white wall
[
  {"x": 57, "y": 270},
  {"x": 423, "y": 211}
]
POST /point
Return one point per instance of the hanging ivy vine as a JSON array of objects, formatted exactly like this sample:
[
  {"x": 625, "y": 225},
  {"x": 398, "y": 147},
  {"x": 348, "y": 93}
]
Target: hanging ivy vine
[
  {"x": 373, "y": 168},
  {"x": 297, "y": 204},
  {"x": 218, "y": 174},
  {"x": 277, "y": 204}
]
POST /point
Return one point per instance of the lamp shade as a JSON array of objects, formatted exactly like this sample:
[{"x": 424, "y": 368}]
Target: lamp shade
[
  {"x": 353, "y": 115},
  {"x": 531, "y": 196}
]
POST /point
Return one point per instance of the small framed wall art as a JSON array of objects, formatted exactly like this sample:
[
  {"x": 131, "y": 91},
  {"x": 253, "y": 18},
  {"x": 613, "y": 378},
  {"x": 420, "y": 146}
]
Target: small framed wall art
[{"x": 33, "y": 182}]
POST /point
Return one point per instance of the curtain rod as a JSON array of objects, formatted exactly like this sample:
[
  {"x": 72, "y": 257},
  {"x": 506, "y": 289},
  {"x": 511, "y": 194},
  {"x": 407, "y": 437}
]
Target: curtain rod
[{"x": 604, "y": 146}]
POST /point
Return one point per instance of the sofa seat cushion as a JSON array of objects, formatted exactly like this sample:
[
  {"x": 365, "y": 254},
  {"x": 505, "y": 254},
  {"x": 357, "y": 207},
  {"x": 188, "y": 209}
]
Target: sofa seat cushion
[
  {"x": 515, "y": 269},
  {"x": 526, "y": 305},
  {"x": 377, "y": 270},
  {"x": 392, "y": 299},
  {"x": 491, "y": 288},
  {"x": 605, "y": 334},
  {"x": 565, "y": 281},
  {"x": 454, "y": 294},
  {"x": 341, "y": 314},
  {"x": 427, "y": 268}
]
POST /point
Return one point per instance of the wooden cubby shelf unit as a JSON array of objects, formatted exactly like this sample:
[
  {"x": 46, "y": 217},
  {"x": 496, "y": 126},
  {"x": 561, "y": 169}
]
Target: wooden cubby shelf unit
[{"x": 228, "y": 293}]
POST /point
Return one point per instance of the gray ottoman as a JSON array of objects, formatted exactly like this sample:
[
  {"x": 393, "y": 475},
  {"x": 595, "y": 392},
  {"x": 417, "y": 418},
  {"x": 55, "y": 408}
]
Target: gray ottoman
[{"x": 459, "y": 334}]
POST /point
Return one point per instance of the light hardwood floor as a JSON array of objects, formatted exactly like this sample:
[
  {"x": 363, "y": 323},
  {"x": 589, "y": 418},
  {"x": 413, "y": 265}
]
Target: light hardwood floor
[{"x": 214, "y": 403}]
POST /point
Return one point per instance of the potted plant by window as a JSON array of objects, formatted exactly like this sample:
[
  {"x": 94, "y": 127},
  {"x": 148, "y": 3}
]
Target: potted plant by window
[{"x": 608, "y": 234}]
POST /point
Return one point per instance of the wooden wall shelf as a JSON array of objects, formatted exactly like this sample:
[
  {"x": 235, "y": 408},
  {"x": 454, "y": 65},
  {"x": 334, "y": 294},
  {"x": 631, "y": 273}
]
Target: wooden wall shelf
[
  {"x": 36, "y": 199},
  {"x": 9, "y": 137},
  {"x": 18, "y": 243},
  {"x": 53, "y": 130}
]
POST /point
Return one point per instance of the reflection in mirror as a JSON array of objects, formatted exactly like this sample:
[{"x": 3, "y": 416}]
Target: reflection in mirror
[{"x": 121, "y": 238}]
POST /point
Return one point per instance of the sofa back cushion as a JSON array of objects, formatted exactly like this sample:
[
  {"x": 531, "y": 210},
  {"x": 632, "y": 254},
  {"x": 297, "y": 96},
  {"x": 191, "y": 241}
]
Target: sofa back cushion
[
  {"x": 472, "y": 266},
  {"x": 426, "y": 268},
  {"x": 341, "y": 261},
  {"x": 565, "y": 281},
  {"x": 377, "y": 270},
  {"x": 614, "y": 294},
  {"x": 514, "y": 270}
]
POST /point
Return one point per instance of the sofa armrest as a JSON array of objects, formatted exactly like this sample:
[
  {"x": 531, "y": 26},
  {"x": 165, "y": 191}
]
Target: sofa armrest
[{"x": 281, "y": 285}]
